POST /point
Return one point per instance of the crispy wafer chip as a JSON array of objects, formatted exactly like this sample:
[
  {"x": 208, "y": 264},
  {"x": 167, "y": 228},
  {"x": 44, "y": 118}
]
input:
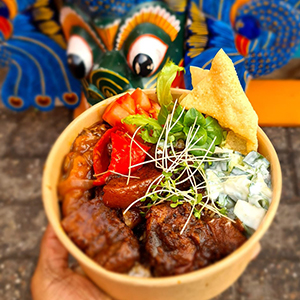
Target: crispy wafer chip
[
  {"x": 197, "y": 74},
  {"x": 219, "y": 94}
]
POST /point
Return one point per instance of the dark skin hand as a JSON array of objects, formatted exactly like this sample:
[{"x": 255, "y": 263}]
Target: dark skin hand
[{"x": 54, "y": 280}]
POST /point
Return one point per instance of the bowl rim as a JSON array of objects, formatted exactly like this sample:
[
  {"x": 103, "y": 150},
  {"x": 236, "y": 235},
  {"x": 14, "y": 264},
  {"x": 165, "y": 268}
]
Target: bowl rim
[{"x": 162, "y": 281}]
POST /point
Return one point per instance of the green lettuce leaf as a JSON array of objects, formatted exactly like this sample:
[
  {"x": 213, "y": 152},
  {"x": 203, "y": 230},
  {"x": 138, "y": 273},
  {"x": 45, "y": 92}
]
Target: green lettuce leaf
[
  {"x": 150, "y": 128},
  {"x": 164, "y": 81},
  {"x": 141, "y": 120}
]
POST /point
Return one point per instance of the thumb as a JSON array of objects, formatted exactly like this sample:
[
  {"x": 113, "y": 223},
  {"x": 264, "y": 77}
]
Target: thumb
[{"x": 52, "y": 264}]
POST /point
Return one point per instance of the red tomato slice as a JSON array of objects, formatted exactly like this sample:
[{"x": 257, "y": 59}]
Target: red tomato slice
[
  {"x": 127, "y": 102},
  {"x": 154, "y": 111},
  {"x": 101, "y": 158},
  {"x": 115, "y": 114},
  {"x": 122, "y": 150},
  {"x": 136, "y": 103},
  {"x": 141, "y": 99},
  {"x": 141, "y": 111},
  {"x": 130, "y": 128},
  {"x": 109, "y": 106}
]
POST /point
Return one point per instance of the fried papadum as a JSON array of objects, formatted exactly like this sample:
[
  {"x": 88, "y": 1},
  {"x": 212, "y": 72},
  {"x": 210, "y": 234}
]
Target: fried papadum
[{"x": 218, "y": 93}]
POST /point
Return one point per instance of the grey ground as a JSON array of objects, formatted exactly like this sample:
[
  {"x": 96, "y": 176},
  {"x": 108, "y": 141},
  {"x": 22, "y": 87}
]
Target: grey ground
[{"x": 25, "y": 140}]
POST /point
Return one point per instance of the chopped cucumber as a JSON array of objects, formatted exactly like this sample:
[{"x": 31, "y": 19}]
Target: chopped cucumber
[
  {"x": 236, "y": 159},
  {"x": 259, "y": 187},
  {"x": 240, "y": 184},
  {"x": 255, "y": 160},
  {"x": 249, "y": 214},
  {"x": 237, "y": 187},
  {"x": 215, "y": 186}
]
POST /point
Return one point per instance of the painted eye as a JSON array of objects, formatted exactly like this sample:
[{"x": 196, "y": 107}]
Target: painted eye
[
  {"x": 146, "y": 54},
  {"x": 80, "y": 57}
]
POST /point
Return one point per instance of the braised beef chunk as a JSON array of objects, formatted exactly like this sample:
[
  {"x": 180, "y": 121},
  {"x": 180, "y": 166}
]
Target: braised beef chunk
[
  {"x": 117, "y": 193},
  {"x": 132, "y": 218},
  {"x": 202, "y": 243},
  {"x": 97, "y": 230}
]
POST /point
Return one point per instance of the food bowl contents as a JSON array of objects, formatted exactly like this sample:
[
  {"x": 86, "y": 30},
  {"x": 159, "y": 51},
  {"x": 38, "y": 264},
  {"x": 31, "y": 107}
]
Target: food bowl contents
[{"x": 160, "y": 189}]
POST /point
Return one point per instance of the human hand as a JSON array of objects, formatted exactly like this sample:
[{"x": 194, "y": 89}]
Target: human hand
[{"x": 54, "y": 280}]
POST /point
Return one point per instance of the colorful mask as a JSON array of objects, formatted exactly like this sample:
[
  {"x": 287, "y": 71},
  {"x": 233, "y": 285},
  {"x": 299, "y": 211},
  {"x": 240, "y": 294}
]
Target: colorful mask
[
  {"x": 38, "y": 74},
  {"x": 259, "y": 36},
  {"x": 116, "y": 47}
]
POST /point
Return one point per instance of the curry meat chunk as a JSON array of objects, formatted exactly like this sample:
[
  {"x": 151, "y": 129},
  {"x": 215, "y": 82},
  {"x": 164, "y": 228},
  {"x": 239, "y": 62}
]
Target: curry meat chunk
[
  {"x": 97, "y": 230},
  {"x": 202, "y": 243}
]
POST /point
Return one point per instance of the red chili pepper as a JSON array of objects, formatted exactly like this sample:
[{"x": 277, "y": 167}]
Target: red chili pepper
[{"x": 120, "y": 156}]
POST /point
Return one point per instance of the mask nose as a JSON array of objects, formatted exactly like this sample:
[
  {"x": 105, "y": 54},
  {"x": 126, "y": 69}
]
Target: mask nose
[
  {"x": 113, "y": 76},
  {"x": 110, "y": 83}
]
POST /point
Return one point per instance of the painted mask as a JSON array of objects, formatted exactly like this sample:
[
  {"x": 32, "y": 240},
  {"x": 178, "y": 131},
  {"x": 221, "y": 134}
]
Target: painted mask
[
  {"x": 258, "y": 35},
  {"x": 115, "y": 47},
  {"x": 32, "y": 57}
]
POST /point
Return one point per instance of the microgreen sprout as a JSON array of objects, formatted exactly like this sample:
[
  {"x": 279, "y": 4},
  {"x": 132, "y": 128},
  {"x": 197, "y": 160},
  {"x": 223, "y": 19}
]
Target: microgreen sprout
[{"x": 182, "y": 178}]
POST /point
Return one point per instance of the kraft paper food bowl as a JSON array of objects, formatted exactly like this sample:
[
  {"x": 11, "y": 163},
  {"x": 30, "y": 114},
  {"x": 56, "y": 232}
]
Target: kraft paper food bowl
[{"x": 202, "y": 284}]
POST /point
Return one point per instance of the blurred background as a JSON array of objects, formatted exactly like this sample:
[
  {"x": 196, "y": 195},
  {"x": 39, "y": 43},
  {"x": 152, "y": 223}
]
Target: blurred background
[{"x": 26, "y": 138}]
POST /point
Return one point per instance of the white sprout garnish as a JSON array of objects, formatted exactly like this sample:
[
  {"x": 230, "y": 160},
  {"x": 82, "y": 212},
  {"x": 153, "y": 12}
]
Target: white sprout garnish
[
  {"x": 185, "y": 166},
  {"x": 130, "y": 153}
]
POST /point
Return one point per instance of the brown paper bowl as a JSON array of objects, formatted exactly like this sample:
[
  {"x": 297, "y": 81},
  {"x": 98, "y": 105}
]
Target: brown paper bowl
[{"x": 202, "y": 284}]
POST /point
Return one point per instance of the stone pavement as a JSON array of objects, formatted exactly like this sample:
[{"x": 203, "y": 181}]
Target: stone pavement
[{"x": 25, "y": 140}]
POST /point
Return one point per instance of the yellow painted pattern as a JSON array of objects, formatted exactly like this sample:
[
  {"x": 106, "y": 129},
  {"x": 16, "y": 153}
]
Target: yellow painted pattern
[
  {"x": 108, "y": 80},
  {"x": 177, "y": 5},
  {"x": 41, "y": 3},
  {"x": 59, "y": 39},
  {"x": 199, "y": 37},
  {"x": 150, "y": 81},
  {"x": 150, "y": 16},
  {"x": 108, "y": 35},
  {"x": 90, "y": 91},
  {"x": 239, "y": 61},
  {"x": 109, "y": 72},
  {"x": 108, "y": 91},
  {"x": 49, "y": 27},
  {"x": 220, "y": 9},
  {"x": 42, "y": 14},
  {"x": 267, "y": 41}
]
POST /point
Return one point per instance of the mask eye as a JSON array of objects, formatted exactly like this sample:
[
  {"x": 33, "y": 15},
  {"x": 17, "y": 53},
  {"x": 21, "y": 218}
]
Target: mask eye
[
  {"x": 146, "y": 54},
  {"x": 80, "y": 57}
]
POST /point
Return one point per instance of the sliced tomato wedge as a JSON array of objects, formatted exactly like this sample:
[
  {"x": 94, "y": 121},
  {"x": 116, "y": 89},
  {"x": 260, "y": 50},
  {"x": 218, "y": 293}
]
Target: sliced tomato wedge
[
  {"x": 115, "y": 114},
  {"x": 122, "y": 150},
  {"x": 136, "y": 103},
  {"x": 101, "y": 158},
  {"x": 154, "y": 111},
  {"x": 141, "y": 99},
  {"x": 128, "y": 103},
  {"x": 141, "y": 111}
]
